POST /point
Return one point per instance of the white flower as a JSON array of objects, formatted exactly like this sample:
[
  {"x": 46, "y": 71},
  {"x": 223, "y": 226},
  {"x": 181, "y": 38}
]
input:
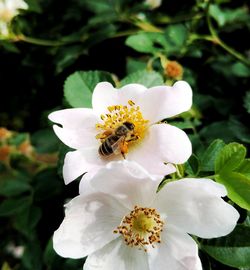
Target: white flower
[
  {"x": 153, "y": 3},
  {"x": 9, "y": 9},
  {"x": 120, "y": 221},
  {"x": 154, "y": 146}
]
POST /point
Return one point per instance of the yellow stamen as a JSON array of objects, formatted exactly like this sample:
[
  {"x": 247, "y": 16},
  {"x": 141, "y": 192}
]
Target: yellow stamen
[
  {"x": 141, "y": 228},
  {"x": 118, "y": 114}
]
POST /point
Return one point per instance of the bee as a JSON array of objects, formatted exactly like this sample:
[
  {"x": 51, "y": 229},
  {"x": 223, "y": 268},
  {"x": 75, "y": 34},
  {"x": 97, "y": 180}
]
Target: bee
[{"x": 117, "y": 141}]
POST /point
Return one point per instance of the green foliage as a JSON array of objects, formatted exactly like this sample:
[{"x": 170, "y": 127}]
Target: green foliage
[
  {"x": 79, "y": 86},
  {"x": 233, "y": 249},
  {"x": 208, "y": 158},
  {"x": 135, "y": 43},
  {"x": 148, "y": 79},
  {"x": 230, "y": 157}
]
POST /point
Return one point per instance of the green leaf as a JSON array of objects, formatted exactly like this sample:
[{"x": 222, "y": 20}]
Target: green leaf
[
  {"x": 12, "y": 185},
  {"x": 176, "y": 34},
  {"x": 192, "y": 166},
  {"x": 240, "y": 70},
  {"x": 230, "y": 157},
  {"x": 11, "y": 207},
  {"x": 233, "y": 249},
  {"x": 32, "y": 256},
  {"x": 209, "y": 156},
  {"x": 26, "y": 221},
  {"x": 148, "y": 79},
  {"x": 146, "y": 42},
  {"x": 238, "y": 187},
  {"x": 244, "y": 168},
  {"x": 135, "y": 65},
  {"x": 241, "y": 131},
  {"x": 79, "y": 86}
]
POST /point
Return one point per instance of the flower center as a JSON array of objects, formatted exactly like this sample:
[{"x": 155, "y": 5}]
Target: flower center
[
  {"x": 141, "y": 227},
  {"x": 118, "y": 116}
]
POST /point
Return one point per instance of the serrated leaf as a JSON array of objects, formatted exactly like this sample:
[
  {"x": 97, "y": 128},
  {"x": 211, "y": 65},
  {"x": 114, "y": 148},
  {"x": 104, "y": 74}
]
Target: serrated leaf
[
  {"x": 233, "y": 249},
  {"x": 209, "y": 156},
  {"x": 238, "y": 187},
  {"x": 230, "y": 157},
  {"x": 148, "y": 79},
  {"x": 79, "y": 86}
]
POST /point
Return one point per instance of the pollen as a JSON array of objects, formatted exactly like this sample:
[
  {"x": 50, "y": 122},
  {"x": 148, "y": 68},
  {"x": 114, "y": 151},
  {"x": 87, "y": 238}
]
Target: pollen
[
  {"x": 141, "y": 228},
  {"x": 119, "y": 114}
]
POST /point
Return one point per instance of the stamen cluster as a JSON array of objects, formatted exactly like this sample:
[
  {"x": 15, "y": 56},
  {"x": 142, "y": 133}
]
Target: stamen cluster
[
  {"x": 120, "y": 114},
  {"x": 141, "y": 227}
]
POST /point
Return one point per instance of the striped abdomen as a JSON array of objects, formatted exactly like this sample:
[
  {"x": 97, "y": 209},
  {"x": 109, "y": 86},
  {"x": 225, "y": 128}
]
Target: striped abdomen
[{"x": 106, "y": 148}]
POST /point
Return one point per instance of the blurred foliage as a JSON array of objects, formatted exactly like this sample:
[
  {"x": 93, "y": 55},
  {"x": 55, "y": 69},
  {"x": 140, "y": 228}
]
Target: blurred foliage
[{"x": 123, "y": 41}]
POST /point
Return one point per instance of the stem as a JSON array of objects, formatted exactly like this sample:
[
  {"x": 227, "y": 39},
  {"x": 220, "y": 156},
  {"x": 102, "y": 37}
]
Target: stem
[
  {"x": 41, "y": 42},
  {"x": 223, "y": 45}
]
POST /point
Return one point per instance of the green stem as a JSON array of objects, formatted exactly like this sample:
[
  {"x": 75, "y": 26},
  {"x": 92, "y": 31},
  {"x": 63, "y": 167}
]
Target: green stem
[
  {"x": 217, "y": 40},
  {"x": 41, "y": 42}
]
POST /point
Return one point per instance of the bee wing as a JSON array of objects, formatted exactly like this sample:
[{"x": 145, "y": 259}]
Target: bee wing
[{"x": 116, "y": 147}]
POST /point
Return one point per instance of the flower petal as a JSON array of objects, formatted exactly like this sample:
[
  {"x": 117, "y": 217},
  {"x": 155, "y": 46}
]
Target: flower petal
[
  {"x": 161, "y": 102},
  {"x": 196, "y": 207},
  {"x": 75, "y": 118},
  {"x": 163, "y": 144},
  {"x": 124, "y": 181},
  {"x": 116, "y": 255},
  {"x": 78, "y": 127},
  {"x": 177, "y": 251},
  {"x": 88, "y": 225},
  {"x": 78, "y": 162},
  {"x": 105, "y": 95},
  {"x": 76, "y": 138}
]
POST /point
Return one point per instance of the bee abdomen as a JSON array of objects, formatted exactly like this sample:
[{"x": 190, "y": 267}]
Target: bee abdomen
[{"x": 105, "y": 148}]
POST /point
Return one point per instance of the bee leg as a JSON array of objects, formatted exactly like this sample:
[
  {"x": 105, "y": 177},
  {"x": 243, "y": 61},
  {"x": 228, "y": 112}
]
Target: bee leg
[{"x": 124, "y": 149}]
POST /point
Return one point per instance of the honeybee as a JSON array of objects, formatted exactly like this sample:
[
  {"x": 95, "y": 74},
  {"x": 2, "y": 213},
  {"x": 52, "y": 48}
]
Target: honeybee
[{"x": 117, "y": 141}]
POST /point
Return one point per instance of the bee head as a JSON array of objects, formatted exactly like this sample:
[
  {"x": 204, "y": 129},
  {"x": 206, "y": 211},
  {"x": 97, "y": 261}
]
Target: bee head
[{"x": 129, "y": 126}]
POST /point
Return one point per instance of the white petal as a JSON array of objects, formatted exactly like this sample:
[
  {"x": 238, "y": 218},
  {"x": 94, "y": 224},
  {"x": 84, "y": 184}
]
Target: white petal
[
  {"x": 161, "y": 102},
  {"x": 117, "y": 256},
  {"x": 76, "y": 138},
  {"x": 78, "y": 127},
  {"x": 163, "y": 144},
  {"x": 78, "y": 162},
  {"x": 177, "y": 251},
  {"x": 76, "y": 118},
  {"x": 105, "y": 95},
  {"x": 88, "y": 225},
  {"x": 127, "y": 181},
  {"x": 196, "y": 207}
]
